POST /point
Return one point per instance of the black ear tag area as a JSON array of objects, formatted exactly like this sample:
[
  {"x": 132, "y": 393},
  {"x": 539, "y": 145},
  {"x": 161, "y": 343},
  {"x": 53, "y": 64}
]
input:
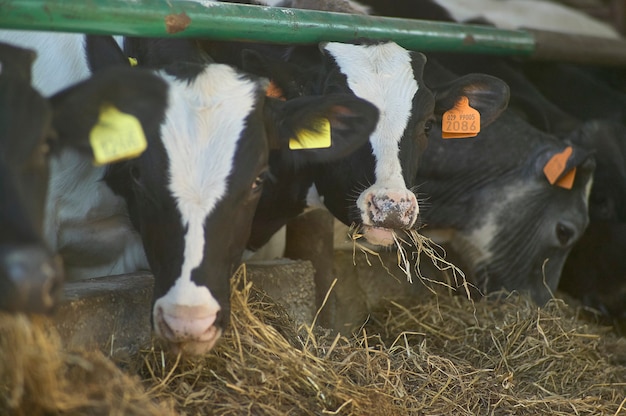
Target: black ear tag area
[{"x": 317, "y": 136}]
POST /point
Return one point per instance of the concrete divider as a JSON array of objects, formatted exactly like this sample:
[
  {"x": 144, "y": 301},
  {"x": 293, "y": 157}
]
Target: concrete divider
[{"x": 112, "y": 313}]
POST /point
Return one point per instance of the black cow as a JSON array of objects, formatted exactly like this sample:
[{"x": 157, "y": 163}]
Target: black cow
[
  {"x": 563, "y": 99},
  {"x": 33, "y": 128},
  {"x": 595, "y": 270}
]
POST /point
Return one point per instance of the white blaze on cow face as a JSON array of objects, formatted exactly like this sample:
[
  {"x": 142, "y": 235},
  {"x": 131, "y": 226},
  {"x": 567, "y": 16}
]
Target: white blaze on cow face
[
  {"x": 383, "y": 75},
  {"x": 200, "y": 135}
]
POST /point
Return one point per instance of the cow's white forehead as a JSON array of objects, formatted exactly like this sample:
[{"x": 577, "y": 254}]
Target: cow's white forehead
[
  {"x": 203, "y": 126},
  {"x": 383, "y": 75}
]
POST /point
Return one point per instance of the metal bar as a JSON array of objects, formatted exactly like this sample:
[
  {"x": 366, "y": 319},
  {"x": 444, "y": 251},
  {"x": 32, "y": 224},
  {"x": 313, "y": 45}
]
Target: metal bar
[
  {"x": 228, "y": 21},
  {"x": 552, "y": 46},
  {"x": 158, "y": 18}
]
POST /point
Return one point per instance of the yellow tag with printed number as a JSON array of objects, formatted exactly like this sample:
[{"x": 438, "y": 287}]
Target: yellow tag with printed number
[
  {"x": 117, "y": 136},
  {"x": 319, "y": 138}
]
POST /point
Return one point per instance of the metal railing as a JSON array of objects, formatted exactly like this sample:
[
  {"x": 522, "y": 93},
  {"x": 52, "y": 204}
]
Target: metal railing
[{"x": 206, "y": 19}]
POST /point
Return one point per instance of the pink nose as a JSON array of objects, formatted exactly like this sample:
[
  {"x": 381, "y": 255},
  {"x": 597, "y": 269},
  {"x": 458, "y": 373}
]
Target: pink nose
[
  {"x": 390, "y": 209},
  {"x": 180, "y": 324}
]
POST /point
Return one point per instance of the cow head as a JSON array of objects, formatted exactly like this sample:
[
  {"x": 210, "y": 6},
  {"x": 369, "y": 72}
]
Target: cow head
[
  {"x": 373, "y": 188},
  {"x": 31, "y": 129},
  {"x": 30, "y": 276},
  {"x": 193, "y": 193},
  {"x": 507, "y": 227}
]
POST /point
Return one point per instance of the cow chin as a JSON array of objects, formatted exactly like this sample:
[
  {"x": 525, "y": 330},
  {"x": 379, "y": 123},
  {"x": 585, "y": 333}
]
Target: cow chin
[
  {"x": 194, "y": 347},
  {"x": 378, "y": 235}
]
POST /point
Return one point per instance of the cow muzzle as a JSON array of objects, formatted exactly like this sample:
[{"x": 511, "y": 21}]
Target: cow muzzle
[
  {"x": 191, "y": 330},
  {"x": 384, "y": 210},
  {"x": 32, "y": 279}
]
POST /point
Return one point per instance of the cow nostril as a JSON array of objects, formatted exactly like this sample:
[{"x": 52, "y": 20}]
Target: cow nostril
[{"x": 564, "y": 233}]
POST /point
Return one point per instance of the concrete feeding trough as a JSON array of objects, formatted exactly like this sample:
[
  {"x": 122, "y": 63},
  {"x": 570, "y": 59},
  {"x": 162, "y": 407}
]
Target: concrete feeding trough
[{"x": 112, "y": 313}]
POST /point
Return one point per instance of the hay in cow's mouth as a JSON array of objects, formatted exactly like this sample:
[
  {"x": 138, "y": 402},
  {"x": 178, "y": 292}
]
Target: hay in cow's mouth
[{"x": 410, "y": 245}]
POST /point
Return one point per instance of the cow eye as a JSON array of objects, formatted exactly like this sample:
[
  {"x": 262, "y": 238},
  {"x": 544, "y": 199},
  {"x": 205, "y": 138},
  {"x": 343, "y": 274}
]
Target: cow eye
[
  {"x": 257, "y": 184},
  {"x": 428, "y": 125}
]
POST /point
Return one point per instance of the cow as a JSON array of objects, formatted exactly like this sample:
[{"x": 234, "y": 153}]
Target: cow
[
  {"x": 497, "y": 215},
  {"x": 372, "y": 187},
  {"x": 32, "y": 130},
  {"x": 595, "y": 271},
  {"x": 183, "y": 208},
  {"x": 560, "y": 98}
]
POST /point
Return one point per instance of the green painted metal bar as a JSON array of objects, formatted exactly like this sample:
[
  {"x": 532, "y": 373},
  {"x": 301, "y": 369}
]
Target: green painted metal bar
[{"x": 157, "y": 18}]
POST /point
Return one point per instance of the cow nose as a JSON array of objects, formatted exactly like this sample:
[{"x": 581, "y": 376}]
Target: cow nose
[
  {"x": 390, "y": 209},
  {"x": 565, "y": 232},
  {"x": 190, "y": 328},
  {"x": 33, "y": 279}
]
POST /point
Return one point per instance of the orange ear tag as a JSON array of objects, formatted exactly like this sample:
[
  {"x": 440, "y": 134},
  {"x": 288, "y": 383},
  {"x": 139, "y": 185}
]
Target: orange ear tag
[
  {"x": 567, "y": 181},
  {"x": 555, "y": 168},
  {"x": 461, "y": 121},
  {"x": 274, "y": 91}
]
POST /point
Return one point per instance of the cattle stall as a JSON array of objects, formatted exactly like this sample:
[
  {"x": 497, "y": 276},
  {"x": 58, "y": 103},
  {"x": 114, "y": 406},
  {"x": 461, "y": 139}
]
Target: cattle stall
[{"x": 404, "y": 359}]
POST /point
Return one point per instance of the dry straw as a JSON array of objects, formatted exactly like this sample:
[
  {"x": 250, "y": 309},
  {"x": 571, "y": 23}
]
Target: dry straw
[
  {"x": 37, "y": 377},
  {"x": 445, "y": 356}
]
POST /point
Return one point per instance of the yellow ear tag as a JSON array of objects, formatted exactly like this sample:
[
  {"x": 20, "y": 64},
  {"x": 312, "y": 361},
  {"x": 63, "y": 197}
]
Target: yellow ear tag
[
  {"x": 319, "y": 138},
  {"x": 556, "y": 167},
  {"x": 116, "y": 136},
  {"x": 461, "y": 121}
]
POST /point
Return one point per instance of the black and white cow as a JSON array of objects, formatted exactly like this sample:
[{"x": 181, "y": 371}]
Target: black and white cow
[
  {"x": 188, "y": 201},
  {"x": 373, "y": 186},
  {"x": 32, "y": 129},
  {"x": 248, "y": 127},
  {"x": 497, "y": 171}
]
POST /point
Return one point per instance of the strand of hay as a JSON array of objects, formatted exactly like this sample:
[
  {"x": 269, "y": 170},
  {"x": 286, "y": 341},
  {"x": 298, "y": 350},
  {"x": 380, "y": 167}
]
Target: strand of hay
[
  {"x": 37, "y": 377},
  {"x": 446, "y": 356}
]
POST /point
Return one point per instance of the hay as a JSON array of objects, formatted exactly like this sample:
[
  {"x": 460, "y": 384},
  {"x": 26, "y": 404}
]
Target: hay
[
  {"x": 445, "y": 356},
  {"x": 38, "y": 378},
  {"x": 409, "y": 262}
]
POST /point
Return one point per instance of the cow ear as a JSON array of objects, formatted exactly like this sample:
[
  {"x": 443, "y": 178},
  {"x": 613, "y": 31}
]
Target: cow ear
[
  {"x": 561, "y": 166},
  {"x": 318, "y": 129},
  {"x": 103, "y": 52},
  {"x": 286, "y": 78},
  {"x": 487, "y": 94},
  {"x": 122, "y": 93}
]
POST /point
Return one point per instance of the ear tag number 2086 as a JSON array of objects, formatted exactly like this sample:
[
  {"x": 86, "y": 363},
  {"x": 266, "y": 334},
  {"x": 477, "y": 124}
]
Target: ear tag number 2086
[{"x": 461, "y": 121}]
